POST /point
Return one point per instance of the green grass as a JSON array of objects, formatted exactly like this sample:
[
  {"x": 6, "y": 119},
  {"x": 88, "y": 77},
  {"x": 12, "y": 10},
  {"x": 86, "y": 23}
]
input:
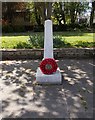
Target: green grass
[
  {"x": 12, "y": 41},
  {"x": 73, "y": 39}
]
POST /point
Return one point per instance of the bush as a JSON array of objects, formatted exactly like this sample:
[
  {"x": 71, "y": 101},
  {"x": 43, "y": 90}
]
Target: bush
[
  {"x": 23, "y": 45},
  {"x": 85, "y": 44},
  {"x": 60, "y": 27},
  {"x": 11, "y": 29},
  {"x": 38, "y": 28},
  {"x": 7, "y": 29},
  {"x": 58, "y": 42},
  {"x": 19, "y": 28},
  {"x": 37, "y": 41}
]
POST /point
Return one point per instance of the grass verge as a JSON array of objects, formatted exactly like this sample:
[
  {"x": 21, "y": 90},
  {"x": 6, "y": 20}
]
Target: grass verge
[{"x": 36, "y": 40}]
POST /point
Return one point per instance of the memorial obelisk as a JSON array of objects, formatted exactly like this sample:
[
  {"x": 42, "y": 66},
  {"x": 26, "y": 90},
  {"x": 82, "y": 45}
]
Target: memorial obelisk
[{"x": 48, "y": 73}]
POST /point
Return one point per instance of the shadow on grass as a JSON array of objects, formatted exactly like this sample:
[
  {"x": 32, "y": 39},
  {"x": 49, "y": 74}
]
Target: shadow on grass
[{"x": 62, "y": 33}]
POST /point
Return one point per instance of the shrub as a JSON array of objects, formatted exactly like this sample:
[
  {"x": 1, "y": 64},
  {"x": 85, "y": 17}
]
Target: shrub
[
  {"x": 60, "y": 27},
  {"x": 39, "y": 28},
  {"x": 19, "y": 28},
  {"x": 23, "y": 45},
  {"x": 7, "y": 29},
  {"x": 10, "y": 29},
  {"x": 57, "y": 41},
  {"x": 85, "y": 44},
  {"x": 37, "y": 41}
]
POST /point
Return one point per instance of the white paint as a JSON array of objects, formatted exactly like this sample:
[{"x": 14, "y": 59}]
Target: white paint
[{"x": 48, "y": 40}]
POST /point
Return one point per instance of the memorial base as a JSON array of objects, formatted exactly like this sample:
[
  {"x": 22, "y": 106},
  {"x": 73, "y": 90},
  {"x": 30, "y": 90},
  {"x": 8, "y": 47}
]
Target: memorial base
[{"x": 54, "y": 78}]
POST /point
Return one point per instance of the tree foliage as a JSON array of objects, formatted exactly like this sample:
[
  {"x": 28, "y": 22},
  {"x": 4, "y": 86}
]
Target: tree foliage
[{"x": 59, "y": 12}]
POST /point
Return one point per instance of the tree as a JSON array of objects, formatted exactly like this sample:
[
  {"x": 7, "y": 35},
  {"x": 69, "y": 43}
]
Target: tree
[
  {"x": 43, "y": 11},
  {"x": 67, "y": 12},
  {"x": 8, "y": 9},
  {"x": 58, "y": 11},
  {"x": 75, "y": 9},
  {"x": 92, "y": 13},
  {"x": 49, "y": 10}
]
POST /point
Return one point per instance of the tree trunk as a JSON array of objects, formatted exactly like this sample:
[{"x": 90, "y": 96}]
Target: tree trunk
[
  {"x": 63, "y": 14},
  {"x": 72, "y": 16},
  {"x": 9, "y": 12},
  {"x": 0, "y": 10},
  {"x": 43, "y": 11},
  {"x": 92, "y": 14},
  {"x": 72, "y": 13},
  {"x": 38, "y": 20},
  {"x": 49, "y": 10},
  {"x": 63, "y": 17}
]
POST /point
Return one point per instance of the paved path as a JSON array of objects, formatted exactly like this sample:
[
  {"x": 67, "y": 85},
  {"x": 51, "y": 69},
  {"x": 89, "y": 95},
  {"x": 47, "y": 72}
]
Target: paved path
[{"x": 23, "y": 99}]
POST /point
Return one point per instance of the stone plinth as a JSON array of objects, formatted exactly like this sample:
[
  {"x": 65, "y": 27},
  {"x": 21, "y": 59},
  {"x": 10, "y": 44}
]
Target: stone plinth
[{"x": 54, "y": 78}]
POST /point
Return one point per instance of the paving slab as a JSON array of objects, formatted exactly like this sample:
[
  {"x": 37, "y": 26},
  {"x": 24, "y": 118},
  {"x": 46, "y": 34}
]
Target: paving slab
[{"x": 23, "y": 98}]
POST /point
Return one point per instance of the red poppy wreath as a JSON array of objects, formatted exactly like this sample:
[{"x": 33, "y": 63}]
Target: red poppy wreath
[{"x": 48, "y": 66}]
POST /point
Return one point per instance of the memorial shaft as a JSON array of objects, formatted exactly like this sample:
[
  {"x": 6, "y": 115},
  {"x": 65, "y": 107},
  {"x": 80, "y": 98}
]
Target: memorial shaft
[{"x": 48, "y": 39}]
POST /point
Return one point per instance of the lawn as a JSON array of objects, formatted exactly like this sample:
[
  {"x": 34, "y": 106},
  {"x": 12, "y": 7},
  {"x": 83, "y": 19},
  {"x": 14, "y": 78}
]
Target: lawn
[{"x": 62, "y": 39}]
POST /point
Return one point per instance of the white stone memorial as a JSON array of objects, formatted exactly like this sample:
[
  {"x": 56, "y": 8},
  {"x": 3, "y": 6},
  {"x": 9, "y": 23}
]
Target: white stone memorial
[{"x": 56, "y": 77}]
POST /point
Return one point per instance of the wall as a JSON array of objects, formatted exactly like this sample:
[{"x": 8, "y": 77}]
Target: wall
[{"x": 16, "y": 54}]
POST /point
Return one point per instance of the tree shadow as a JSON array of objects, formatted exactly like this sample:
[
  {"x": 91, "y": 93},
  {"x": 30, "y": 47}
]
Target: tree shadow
[
  {"x": 22, "y": 33},
  {"x": 65, "y": 33},
  {"x": 70, "y": 33},
  {"x": 24, "y": 99},
  {"x": 78, "y": 86}
]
